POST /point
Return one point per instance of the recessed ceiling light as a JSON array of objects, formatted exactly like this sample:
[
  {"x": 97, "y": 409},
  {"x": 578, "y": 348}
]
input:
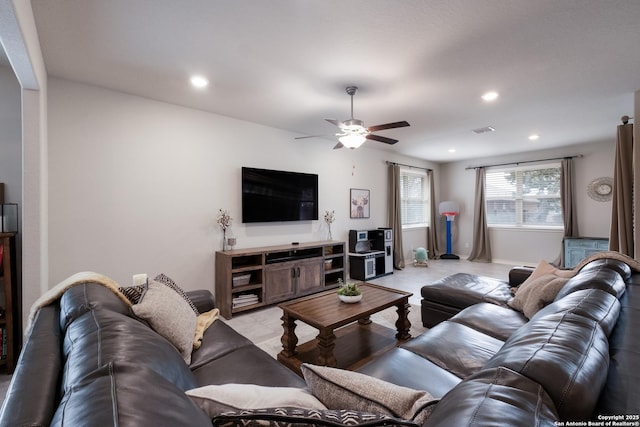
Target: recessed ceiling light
[
  {"x": 199, "y": 81},
  {"x": 490, "y": 96},
  {"x": 534, "y": 137},
  {"x": 452, "y": 150}
]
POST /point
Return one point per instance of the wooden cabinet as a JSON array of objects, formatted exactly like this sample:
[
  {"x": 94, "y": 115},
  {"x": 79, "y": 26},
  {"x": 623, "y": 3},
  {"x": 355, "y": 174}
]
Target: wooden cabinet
[
  {"x": 10, "y": 318},
  {"x": 285, "y": 280},
  {"x": 255, "y": 277}
]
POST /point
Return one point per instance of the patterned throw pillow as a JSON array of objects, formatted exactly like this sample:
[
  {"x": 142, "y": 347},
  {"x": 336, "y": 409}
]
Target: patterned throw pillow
[
  {"x": 133, "y": 293},
  {"x": 170, "y": 283},
  {"x": 290, "y": 417}
]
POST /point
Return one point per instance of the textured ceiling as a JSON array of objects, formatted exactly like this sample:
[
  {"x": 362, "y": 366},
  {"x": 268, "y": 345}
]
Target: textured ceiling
[{"x": 565, "y": 69}]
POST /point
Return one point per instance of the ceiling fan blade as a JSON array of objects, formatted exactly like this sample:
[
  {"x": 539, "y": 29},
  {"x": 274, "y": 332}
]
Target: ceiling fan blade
[
  {"x": 381, "y": 139},
  {"x": 338, "y": 145},
  {"x": 335, "y": 122},
  {"x": 310, "y": 136},
  {"x": 388, "y": 126}
]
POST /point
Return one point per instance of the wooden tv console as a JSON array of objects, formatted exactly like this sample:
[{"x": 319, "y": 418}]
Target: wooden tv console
[{"x": 256, "y": 277}]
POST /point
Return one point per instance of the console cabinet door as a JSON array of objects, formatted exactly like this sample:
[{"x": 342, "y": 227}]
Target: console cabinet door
[
  {"x": 279, "y": 282},
  {"x": 310, "y": 274}
]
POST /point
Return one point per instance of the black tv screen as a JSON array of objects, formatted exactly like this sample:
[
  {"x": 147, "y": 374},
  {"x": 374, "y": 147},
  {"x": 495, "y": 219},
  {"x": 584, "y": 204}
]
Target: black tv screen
[{"x": 270, "y": 195}]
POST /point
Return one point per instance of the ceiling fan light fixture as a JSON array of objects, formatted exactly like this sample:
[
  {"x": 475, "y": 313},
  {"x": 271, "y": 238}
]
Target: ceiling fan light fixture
[{"x": 352, "y": 140}]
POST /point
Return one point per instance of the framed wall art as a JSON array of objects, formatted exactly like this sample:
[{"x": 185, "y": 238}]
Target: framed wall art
[{"x": 359, "y": 203}]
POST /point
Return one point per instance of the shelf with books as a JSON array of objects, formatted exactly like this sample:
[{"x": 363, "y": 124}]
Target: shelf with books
[{"x": 10, "y": 314}]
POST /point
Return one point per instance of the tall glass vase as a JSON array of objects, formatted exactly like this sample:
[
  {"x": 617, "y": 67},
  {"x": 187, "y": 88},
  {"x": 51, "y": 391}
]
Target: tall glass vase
[{"x": 224, "y": 239}]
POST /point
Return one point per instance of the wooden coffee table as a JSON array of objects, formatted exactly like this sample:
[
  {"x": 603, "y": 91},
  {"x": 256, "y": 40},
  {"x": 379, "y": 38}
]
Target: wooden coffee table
[{"x": 354, "y": 344}]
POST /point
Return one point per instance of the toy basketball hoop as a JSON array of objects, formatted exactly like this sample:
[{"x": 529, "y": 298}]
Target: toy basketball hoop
[{"x": 450, "y": 210}]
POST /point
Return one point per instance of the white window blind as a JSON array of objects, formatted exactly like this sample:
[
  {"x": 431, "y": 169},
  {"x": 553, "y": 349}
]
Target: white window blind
[
  {"x": 524, "y": 196},
  {"x": 414, "y": 198}
]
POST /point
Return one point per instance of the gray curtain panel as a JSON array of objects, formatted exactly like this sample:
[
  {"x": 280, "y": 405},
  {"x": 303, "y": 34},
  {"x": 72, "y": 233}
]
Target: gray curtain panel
[
  {"x": 567, "y": 199},
  {"x": 395, "y": 215},
  {"x": 621, "y": 235},
  {"x": 432, "y": 235},
  {"x": 481, "y": 250}
]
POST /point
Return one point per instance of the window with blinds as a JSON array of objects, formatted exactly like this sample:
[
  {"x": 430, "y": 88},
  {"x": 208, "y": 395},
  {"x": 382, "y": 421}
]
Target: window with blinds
[
  {"x": 414, "y": 198},
  {"x": 524, "y": 196}
]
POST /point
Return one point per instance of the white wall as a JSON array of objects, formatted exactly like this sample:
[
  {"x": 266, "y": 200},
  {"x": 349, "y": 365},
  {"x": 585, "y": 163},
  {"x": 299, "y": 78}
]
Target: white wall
[
  {"x": 10, "y": 136},
  {"x": 135, "y": 185},
  {"x": 527, "y": 246},
  {"x": 20, "y": 41}
]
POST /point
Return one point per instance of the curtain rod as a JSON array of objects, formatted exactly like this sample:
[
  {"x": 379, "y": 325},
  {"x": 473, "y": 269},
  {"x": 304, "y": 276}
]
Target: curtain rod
[
  {"x": 409, "y": 166},
  {"x": 524, "y": 161}
]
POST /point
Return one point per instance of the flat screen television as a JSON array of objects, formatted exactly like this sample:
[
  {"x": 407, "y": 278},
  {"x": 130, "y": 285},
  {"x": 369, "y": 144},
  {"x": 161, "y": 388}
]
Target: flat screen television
[{"x": 271, "y": 195}]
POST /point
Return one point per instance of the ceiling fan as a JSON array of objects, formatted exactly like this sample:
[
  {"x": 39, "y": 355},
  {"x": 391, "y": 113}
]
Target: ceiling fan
[{"x": 353, "y": 133}]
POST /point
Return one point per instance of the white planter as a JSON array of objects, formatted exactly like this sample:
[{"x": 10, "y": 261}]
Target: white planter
[{"x": 350, "y": 299}]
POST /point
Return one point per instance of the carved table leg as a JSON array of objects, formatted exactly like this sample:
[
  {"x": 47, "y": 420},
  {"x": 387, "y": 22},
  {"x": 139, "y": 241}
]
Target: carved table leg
[
  {"x": 365, "y": 320},
  {"x": 402, "y": 324},
  {"x": 289, "y": 339},
  {"x": 326, "y": 343}
]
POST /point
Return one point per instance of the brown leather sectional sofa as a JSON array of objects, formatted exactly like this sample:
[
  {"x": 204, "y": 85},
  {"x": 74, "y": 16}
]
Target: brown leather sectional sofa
[
  {"x": 88, "y": 361},
  {"x": 577, "y": 359}
]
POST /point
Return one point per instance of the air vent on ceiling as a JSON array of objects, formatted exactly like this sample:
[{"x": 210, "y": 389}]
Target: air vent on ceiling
[{"x": 484, "y": 130}]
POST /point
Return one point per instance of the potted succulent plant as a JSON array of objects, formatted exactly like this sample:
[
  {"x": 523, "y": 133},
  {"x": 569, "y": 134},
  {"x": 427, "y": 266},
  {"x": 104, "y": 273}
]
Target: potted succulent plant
[{"x": 349, "y": 292}]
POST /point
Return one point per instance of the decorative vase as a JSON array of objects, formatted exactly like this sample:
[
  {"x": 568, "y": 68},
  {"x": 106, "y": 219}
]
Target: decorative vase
[
  {"x": 350, "y": 299},
  {"x": 224, "y": 239},
  {"x": 330, "y": 237},
  {"x": 230, "y": 239}
]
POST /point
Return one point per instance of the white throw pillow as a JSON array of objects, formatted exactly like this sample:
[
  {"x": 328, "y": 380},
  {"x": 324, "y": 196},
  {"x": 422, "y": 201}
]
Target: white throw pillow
[{"x": 215, "y": 399}]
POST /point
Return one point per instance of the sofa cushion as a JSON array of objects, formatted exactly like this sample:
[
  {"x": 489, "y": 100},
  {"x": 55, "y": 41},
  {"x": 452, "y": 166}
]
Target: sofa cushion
[
  {"x": 342, "y": 389},
  {"x": 103, "y": 336},
  {"x": 490, "y": 319},
  {"x": 216, "y": 399},
  {"x": 622, "y": 390},
  {"x": 127, "y": 394},
  {"x": 36, "y": 379},
  {"x": 603, "y": 278},
  {"x": 462, "y": 290},
  {"x": 170, "y": 315},
  {"x": 621, "y": 267},
  {"x": 495, "y": 397},
  {"x": 257, "y": 367},
  {"x": 594, "y": 304},
  {"x": 459, "y": 349},
  {"x": 405, "y": 368},
  {"x": 218, "y": 340},
  {"x": 565, "y": 353},
  {"x": 81, "y": 299}
]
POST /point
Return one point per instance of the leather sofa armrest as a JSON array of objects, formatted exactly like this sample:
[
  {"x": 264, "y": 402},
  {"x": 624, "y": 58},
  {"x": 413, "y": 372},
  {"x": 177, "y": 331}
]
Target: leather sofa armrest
[
  {"x": 202, "y": 299},
  {"x": 517, "y": 275}
]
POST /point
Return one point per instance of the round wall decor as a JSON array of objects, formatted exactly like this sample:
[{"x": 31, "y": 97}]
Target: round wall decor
[{"x": 601, "y": 189}]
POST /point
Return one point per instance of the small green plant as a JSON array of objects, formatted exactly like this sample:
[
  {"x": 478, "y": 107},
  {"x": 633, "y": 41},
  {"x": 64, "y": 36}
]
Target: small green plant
[{"x": 348, "y": 289}]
